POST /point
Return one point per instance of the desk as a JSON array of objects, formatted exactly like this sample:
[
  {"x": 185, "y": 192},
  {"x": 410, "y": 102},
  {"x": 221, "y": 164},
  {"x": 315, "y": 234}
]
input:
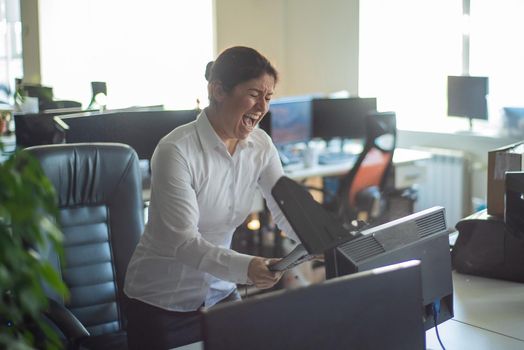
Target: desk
[
  {"x": 408, "y": 171},
  {"x": 489, "y": 314},
  {"x": 401, "y": 157}
]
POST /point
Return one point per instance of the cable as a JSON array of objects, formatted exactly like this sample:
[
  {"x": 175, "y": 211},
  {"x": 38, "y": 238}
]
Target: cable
[{"x": 436, "y": 312}]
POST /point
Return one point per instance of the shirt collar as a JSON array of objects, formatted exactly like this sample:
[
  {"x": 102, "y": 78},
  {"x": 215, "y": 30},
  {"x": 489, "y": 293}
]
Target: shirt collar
[{"x": 210, "y": 139}]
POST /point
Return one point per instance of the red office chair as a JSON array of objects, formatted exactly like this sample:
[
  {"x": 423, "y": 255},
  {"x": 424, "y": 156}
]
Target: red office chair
[{"x": 363, "y": 192}]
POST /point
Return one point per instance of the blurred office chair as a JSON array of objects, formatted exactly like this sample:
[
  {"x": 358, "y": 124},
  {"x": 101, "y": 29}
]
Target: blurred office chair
[
  {"x": 363, "y": 192},
  {"x": 101, "y": 211}
]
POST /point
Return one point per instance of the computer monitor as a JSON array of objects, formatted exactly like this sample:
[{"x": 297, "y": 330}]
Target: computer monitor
[
  {"x": 422, "y": 236},
  {"x": 341, "y": 117},
  {"x": 376, "y": 309},
  {"x": 467, "y": 97},
  {"x": 289, "y": 121},
  {"x": 142, "y": 129}
]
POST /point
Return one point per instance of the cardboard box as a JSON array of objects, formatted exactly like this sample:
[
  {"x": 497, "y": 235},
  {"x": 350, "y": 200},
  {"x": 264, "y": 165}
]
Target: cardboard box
[{"x": 500, "y": 160}]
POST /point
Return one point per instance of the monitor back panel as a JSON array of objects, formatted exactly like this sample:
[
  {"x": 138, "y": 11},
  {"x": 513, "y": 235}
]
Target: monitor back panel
[{"x": 366, "y": 310}]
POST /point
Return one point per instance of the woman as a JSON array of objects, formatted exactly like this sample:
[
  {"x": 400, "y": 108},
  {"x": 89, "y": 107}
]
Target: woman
[{"x": 204, "y": 177}]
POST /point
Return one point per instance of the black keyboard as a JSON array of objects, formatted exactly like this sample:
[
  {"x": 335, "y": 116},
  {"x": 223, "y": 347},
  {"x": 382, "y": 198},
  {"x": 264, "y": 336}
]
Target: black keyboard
[
  {"x": 288, "y": 158},
  {"x": 297, "y": 256},
  {"x": 335, "y": 158}
]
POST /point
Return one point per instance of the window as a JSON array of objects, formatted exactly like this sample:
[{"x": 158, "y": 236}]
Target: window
[
  {"x": 496, "y": 50},
  {"x": 10, "y": 49},
  {"x": 148, "y": 52},
  {"x": 408, "y": 47}
]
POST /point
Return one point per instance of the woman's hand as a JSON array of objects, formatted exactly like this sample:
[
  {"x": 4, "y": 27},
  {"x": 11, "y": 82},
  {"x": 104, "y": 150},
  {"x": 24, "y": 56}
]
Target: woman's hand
[{"x": 259, "y": 273}]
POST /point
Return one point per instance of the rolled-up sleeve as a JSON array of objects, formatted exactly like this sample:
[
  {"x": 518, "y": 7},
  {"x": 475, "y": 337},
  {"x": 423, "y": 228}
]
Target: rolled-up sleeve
[{"x": 175, "y": 218}]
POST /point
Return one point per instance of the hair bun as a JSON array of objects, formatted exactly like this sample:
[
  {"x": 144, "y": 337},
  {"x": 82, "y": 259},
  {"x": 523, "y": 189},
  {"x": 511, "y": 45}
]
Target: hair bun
[{"x": 208, "y": 70}]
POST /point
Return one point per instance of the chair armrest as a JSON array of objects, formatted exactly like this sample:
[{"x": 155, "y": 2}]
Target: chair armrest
[{"x": 64, "y": 319}]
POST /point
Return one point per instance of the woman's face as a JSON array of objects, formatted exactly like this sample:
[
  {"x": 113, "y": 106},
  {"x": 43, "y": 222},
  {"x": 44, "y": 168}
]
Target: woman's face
[{"x": 242, "y": 108}]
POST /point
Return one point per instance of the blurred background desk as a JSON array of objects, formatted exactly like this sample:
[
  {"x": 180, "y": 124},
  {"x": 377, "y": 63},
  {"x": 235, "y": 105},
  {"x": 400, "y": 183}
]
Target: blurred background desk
[
  {"x": 406, "y": 161},
  {"x": 408, "y": 164}
]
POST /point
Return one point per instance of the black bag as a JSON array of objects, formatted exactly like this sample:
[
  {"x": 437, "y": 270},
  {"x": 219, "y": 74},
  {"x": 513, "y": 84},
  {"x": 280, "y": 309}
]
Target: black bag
[{"x": 487, "y": 247}]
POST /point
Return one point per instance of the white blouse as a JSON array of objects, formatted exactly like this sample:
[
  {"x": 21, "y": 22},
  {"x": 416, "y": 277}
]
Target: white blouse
[{"x": 199, "y": 195}]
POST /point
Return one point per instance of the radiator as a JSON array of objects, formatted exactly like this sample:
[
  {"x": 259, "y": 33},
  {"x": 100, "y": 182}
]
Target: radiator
[{"x": 447, "y": 183}]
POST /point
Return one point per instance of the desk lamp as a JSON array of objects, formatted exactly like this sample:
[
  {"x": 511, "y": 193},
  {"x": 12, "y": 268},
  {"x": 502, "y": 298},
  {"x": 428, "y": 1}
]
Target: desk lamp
[{"x": 99, "y": 97}]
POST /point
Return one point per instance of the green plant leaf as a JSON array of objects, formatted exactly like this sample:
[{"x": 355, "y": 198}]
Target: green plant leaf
[{"x": 28, "y": 217}]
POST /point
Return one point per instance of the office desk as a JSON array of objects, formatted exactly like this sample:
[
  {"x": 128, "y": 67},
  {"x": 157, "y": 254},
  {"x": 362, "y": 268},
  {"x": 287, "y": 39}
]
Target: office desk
[
  {"x": 408, "y": 171},
  {"x": 489, "y": 314},
  {"x": 402, "y": 158}
]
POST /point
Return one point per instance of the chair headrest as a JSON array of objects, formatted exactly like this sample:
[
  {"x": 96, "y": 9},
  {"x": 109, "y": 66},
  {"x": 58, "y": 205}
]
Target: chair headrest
[{"x": 87, "y": 173}]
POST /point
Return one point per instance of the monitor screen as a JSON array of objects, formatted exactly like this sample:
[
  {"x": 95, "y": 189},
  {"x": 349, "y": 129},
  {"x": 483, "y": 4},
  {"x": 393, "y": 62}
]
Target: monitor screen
[
  {"x": 341, "y": 117},
  {"x": 422, "y": 236},
  {"x": 467, "y": 97},
  {"x": 377, "y": 309},
  {"x": 289, "y": 121}
]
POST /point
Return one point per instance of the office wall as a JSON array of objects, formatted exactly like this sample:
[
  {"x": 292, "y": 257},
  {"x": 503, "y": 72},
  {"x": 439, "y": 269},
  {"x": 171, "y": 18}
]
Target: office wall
[
  {"x": 476, "y": 146},
  {"x": 314, "y": 44},
  {"x": 30, "y": 41}
]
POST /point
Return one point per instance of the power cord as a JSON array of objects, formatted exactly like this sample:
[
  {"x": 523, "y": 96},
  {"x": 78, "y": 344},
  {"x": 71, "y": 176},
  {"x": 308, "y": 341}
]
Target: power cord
[{"x": 436, "y": 312}]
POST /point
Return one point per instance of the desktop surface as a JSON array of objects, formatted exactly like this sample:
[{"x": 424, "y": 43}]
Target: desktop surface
[{"x": 489, "y": 314}]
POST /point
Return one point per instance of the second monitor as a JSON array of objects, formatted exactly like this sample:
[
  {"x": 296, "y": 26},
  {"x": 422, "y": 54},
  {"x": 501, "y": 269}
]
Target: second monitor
[
  {"x": 289, "y": 121},
  {"x": 341, "y": 117}
]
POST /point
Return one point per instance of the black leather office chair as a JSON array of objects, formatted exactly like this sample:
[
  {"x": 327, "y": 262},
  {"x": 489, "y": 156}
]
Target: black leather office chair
[{"x": 101, "y": 211}]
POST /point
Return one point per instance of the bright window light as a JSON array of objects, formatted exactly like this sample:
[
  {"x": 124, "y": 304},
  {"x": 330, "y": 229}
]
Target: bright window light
[
  {"x": 148, "y": 52},
  {"x": 407, "y": 49}
]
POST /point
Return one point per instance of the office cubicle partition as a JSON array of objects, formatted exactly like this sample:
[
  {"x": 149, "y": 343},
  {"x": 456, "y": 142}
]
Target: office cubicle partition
[{"x": 142, "y": 130}]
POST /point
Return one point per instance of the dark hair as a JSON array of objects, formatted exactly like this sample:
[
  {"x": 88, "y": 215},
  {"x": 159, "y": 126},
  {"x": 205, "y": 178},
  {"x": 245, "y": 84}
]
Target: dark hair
[{"x": 238, "y": 64}]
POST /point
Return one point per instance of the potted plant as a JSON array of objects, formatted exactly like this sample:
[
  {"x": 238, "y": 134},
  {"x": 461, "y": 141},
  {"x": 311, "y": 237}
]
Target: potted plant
[{"x": 28, "y": 223}]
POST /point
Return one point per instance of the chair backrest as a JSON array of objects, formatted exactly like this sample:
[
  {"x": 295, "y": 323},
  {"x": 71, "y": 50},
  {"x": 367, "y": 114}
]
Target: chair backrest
[
  {"x": 142, "y": 130},
  {"x": 101, "y": 211},
  {"x": 374, "y": 162}
]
